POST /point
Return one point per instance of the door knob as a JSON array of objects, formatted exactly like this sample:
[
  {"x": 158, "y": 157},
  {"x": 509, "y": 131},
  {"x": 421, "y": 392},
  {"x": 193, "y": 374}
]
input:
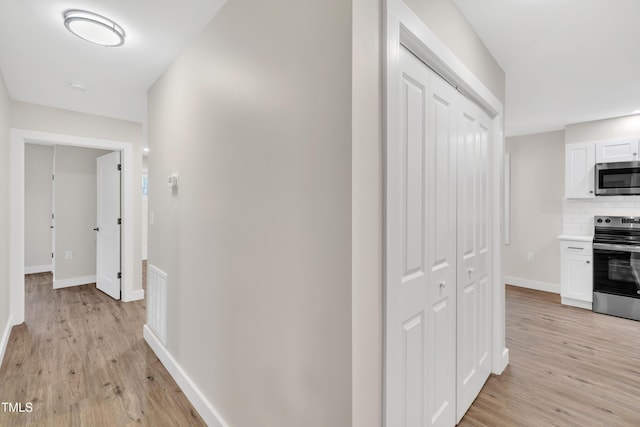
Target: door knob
[{"x": 96, "y": 229}]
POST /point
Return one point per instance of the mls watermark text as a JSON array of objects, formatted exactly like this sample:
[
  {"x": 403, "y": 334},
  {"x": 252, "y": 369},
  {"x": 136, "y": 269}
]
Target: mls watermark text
[{"x": 16, "y": 407}]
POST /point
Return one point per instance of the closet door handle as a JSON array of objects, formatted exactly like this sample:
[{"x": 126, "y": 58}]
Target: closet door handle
[{"x": 96, "y": 229}]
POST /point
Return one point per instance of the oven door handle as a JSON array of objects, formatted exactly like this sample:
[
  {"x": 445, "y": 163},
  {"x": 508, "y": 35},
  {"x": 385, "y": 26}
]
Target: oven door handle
[{"x": 620, "y": 248}]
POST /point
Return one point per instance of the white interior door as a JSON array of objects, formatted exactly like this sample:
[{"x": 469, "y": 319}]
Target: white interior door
[
  {"x": 438, "y": 296},
  {"x": 108, "y": 225},
  {"x": 473, "y": 324},
  {"x": 441, "y": 299},
  {"x": 421, "y": 293}
]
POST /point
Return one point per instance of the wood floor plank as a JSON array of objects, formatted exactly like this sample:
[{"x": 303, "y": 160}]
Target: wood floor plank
[
  {"x": 568, "y": 367},
  {"x": 81, "y": 360}
]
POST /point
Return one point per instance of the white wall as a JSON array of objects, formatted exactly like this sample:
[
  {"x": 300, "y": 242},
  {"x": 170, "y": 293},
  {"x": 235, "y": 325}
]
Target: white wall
[
  {"x": 255, "y": 116},
  {"x": 448, "y": 23},
  {"x": 75, "y": 209},
  {"x": 367, "y": 211},
  {"x": 537, "y": 193},
  {"x": 617, "y": 127},
  {"x": 53, "y": 120},
  {"x": 4, "y": 214},
  {"x": 38, "y": 207}
]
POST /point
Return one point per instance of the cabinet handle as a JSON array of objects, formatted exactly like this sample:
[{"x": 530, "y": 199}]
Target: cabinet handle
[
  {"x": 575, "y": 247},
  {"x": 443, "y": 285},
  {"x": 590, "y": 191},
  {"x": 588, "y": 262}
]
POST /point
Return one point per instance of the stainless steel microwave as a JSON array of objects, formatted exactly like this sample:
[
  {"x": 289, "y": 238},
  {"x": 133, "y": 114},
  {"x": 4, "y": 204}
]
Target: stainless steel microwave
[{"x": 618, "y": 178}]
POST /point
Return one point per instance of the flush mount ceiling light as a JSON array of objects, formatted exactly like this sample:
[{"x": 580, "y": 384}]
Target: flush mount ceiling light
[{"x": 94, "y": 28}]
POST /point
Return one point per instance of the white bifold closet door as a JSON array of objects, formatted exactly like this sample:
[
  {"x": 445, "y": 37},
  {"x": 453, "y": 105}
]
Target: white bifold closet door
[
  {"x": 474, "y": 297},
  {"x": 438, "y": 314}
]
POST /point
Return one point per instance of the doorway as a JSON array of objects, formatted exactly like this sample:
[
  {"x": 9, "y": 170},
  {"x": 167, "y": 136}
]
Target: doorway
[{"x": 19, "y": 138}]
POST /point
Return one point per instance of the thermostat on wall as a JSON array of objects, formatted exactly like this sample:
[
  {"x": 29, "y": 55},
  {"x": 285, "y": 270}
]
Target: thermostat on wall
[{"x": 172, "y": 181}]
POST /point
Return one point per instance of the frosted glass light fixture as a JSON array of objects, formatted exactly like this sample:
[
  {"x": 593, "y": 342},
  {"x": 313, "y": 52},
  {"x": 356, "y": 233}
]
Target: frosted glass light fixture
[{"x": 94, "y": 28}]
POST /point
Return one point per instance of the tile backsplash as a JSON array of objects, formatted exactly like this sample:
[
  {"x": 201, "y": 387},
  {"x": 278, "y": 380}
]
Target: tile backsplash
[{"x": 578, "y": 213}]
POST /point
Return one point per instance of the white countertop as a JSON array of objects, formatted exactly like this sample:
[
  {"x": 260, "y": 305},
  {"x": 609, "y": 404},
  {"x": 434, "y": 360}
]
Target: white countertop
[{"x": 576, "y": 238}]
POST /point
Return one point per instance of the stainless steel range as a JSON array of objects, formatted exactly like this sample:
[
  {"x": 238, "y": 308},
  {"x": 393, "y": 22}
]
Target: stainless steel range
[{"x": 616, "y": 266}]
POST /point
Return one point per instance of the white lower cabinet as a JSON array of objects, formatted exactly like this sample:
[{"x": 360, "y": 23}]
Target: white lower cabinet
[{"x": 576, "y": 273}]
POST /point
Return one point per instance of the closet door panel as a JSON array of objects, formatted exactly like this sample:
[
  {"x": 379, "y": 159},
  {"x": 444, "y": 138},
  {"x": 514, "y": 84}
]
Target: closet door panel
[
  {"x": 473, "y": 334},
  {"x": 441, "y": 314},
  {"x": 409, "y": 332}
]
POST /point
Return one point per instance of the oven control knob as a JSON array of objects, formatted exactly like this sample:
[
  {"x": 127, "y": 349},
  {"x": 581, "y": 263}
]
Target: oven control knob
[
  {"x": 607, "y": 220},
  {"x": 599, "y": 220}
]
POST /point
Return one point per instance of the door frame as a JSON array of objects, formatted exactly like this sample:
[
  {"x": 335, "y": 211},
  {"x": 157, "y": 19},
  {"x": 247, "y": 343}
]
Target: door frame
[
  {"x": 404, "y": 28},
  {"x": 20, "y": 137}
]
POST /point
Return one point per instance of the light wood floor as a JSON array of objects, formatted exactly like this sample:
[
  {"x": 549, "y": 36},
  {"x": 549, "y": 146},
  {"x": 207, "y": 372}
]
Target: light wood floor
[
  {"x": 81, "y": 360},
  {"x": 568, "y": 367}
]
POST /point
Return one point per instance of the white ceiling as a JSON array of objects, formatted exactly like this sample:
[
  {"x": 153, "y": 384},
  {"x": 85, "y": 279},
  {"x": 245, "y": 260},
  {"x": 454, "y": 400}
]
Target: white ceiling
[
  {"x": 566, "y": 61},
  {"x": 39, "y": 58}
]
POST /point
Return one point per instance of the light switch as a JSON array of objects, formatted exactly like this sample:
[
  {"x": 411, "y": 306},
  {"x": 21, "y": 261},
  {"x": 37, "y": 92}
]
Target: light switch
[{"x": 172, "y": 181}]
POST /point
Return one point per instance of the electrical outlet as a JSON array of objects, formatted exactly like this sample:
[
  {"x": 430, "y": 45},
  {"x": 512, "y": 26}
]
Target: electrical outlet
[
  {"x": 531, "y": 256},
  {"x": 68, "y": 255}
]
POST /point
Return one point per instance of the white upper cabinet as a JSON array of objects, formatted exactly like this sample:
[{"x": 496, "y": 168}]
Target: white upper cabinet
[
  {"x": 617, "y": 150},
  {"x": 579, "y": 170}
]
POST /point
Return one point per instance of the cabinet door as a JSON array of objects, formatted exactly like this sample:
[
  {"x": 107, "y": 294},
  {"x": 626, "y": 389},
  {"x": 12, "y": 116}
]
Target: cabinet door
[
  {"x": 579, "y": 170},
  {"x": 579, "y": 278},
  {"x": 577, "y": 273},
  {"x": 617, "y": 150}
]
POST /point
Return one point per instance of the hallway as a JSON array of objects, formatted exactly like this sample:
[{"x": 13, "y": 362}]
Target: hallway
[{"x": 80, "y": 360}]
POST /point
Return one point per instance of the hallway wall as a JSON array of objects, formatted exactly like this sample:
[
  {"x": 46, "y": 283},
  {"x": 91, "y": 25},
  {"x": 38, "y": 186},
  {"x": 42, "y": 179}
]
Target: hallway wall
[
  {"x": 255, "y": 116},
  {"x": 367, "y": 208},
  {"x": 4, "y": 213}
]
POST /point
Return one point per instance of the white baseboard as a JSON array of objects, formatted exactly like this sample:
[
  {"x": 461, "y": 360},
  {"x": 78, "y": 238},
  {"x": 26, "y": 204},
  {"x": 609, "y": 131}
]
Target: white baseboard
[
  {"x": 195, "y": 396},
  {"x": 4, "y": 340},
  {"x": 38, "y": 269},
  {"x": 74, "y": 281},
  {"x": 576, "y": 303},
  {"x": 504, "y": 361},
  {"x": 532, "y": 284},
  {"x": 134, "y": 296}
]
